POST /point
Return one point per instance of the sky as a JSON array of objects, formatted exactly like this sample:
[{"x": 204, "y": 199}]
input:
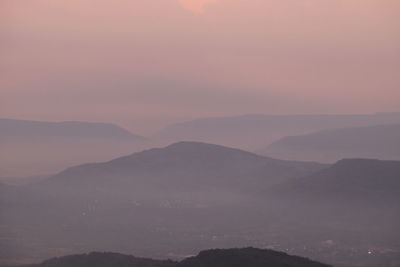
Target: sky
[{"x": 146, "y": 63}]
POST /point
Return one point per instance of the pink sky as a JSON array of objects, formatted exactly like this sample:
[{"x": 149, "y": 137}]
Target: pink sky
[
  {"x": 196, "y": 6},
  {"x": 145, "y": 63}
]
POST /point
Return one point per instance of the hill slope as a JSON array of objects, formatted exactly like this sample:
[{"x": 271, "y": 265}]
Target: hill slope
[
  {"x": 358, "y": 194},
  {"x": 70, "y": 129},
  {"x": 181, "y": 167},
  {"x": 354, "y": 177},
  {"x": 165, "y": 197},
  {"x": 252, "y": 132},
  {"x": 190, "y": 196},
  {"x": 35, "y": 148},
  {"x": 380, "y": 141}
]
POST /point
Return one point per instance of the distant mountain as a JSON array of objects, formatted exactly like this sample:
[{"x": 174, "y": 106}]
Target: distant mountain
[
  {"x": 352, "y": 178},
  {"x": 35, "y": 148},
  {"x": 69, "y": 129},
  {"x": 251, "y": 132},
  {"x": 380, "y": 141},
  {"x": 247, "y": 257},
  {"x": 358, "y": 194},
  {"x": 178, "y": 168},
  {"x": 190, "y": 196},
  {"x": 157, "y": 196}
]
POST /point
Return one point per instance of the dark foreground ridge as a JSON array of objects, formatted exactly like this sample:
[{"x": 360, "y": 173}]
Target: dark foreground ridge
[{"x": 245, "y": 257}]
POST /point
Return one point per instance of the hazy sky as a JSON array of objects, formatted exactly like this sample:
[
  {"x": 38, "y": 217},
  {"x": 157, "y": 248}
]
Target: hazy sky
[{"x": 144, "y": 63}]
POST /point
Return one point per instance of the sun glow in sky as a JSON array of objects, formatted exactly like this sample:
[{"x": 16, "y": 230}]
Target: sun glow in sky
[
  {"x": 152, "y": 61},
  {"x": 196, "y": 6}
]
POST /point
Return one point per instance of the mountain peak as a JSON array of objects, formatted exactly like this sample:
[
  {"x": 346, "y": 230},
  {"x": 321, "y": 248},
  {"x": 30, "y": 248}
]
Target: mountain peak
[
  {"x": 191, "y": 164},
  {"x": 193, "y": 146}
]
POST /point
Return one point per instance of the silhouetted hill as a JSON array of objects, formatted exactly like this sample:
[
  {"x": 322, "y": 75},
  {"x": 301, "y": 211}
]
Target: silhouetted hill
[
  {"x": 247, "y": 257},
  {"x": 356, "y": 194},
  {"x": 351, "y": 178},
  {"x": 103, "y": 259},
  {"x": 253, "y": 132},
  {"x": 380, "y": 141},
  {"x": 179, "y": 167}
]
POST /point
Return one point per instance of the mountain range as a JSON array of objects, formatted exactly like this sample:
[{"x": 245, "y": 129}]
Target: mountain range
[
  {"x": 355, "y": 193},
  {"x": 252, "y": 132},
  {"x": 190, "y": 196},
  {"x": 350, "y": 178},
  {"x": 378, "y": 141},
  {"x": 181, "y": 167},
  {"x": 37, "y": 148},
  {"x": 12, "y": 128}
]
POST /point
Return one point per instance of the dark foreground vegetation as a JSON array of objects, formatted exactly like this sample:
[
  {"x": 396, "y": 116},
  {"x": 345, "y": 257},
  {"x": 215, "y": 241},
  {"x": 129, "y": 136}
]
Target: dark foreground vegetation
[{"x": 246, "y": 257}]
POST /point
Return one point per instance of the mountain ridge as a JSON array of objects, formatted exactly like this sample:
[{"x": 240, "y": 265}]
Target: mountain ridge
[
  {"x": 186, "y": 162},
  {"x": 370, "y": 179},
  {"x": 67, "y": 129},
  {"x": 174, "y": 197},
  {"x": 35, "y": 148},
  {"x": 245, "y": 257},
  {"x": 377, "y": 141},
  {"x": 253, "y": 131}
]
